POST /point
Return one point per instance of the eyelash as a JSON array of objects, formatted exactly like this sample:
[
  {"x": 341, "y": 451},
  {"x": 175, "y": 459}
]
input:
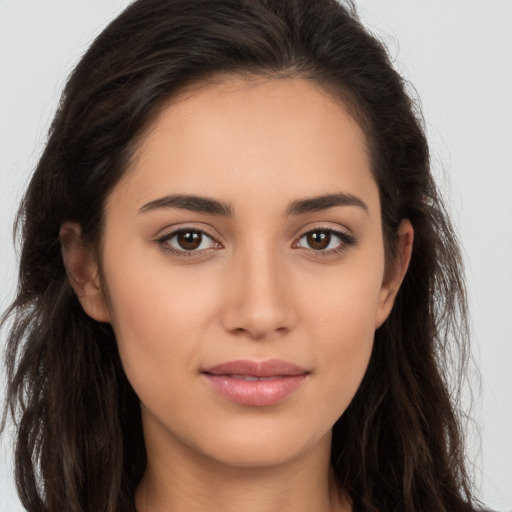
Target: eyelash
[
  {"x": 163, "y": 242},
  {"x": 345, "y": 241}
]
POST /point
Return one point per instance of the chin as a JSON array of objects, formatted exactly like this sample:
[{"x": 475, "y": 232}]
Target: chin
[{"x": 265, "y": 448}]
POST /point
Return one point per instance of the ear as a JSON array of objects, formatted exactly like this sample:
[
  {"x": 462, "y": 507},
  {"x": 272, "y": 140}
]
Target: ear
[
  {"x": 83, "y": 272},
  {"x": 396, "y": 272}
]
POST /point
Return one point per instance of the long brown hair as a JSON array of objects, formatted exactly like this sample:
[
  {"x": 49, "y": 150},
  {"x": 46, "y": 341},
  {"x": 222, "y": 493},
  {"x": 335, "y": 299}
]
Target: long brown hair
[{"x": 79, "y": 444}]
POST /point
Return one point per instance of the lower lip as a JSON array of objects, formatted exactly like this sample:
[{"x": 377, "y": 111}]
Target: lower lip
[{"x": 257, "y": 393}]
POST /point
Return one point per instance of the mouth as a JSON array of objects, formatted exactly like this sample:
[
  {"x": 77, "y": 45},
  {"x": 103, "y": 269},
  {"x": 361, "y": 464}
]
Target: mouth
[
  {"x": 254, "y": 383},
  {"x": 251, "y": 377}
]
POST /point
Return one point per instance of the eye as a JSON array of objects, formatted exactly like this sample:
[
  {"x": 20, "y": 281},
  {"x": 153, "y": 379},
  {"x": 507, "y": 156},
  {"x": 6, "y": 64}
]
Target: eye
[
  {"x": 325, "y": 241},
  {"x": 185, "y": 241}
]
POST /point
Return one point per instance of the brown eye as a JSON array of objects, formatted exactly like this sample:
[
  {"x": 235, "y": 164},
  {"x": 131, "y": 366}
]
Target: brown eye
[
  {"x": 189, "y": 240},
  {"x": 325, "y": 241},
  {"x": 318, "y": 240},
  {"x": 184, "y": 242}
]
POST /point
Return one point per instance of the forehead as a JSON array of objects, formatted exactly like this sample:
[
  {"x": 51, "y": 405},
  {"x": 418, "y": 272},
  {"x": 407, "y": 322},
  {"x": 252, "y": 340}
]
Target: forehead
[{"x": 238, "y": 140}]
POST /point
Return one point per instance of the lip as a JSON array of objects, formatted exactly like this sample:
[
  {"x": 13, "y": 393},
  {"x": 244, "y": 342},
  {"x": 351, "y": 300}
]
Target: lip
[{"x": 255, "y": 383}]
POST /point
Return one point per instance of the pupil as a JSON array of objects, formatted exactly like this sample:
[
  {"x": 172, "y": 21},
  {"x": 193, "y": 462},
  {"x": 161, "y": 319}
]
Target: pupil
[
  {"x": 189, "y": 240},
  {"x": 319, "y": 239}
]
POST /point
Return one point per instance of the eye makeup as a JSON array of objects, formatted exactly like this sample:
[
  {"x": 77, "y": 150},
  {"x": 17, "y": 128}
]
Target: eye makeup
[
  {"x": 325, "y": 241},
  {"x": 187, "y": 242},
  {"x": 196, "y": 242}
]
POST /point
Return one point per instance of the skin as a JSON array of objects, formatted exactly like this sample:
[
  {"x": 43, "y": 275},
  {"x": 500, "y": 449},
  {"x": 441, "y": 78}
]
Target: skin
[{"x": 256, "y": 290}]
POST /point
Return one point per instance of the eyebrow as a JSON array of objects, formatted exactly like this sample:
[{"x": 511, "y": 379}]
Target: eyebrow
[
  {"x": 190, "y": 202},
  {"x": 315, "y": 204},
  {"x": 211, "y": 206}
]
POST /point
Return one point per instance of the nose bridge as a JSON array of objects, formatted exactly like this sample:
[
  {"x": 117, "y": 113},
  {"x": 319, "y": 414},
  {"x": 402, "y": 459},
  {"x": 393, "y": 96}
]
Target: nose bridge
[{"x": 258, "y": 302}]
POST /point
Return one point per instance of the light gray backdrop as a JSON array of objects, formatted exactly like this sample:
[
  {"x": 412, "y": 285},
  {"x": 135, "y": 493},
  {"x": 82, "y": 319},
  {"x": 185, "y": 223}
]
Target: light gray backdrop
[{"x": 458, "y": 54}]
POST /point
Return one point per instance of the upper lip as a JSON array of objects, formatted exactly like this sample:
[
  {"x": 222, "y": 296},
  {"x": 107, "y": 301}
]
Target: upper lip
[{"x": 269, "y": 368}]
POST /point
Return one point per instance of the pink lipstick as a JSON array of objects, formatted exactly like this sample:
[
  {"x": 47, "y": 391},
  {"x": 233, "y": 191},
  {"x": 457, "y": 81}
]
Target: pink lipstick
[{"x": 255, "y": 383}]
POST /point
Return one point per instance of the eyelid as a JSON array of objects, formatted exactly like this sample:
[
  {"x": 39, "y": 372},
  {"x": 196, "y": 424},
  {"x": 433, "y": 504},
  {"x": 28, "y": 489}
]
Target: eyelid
[
  {"x": 345, "y": 237},
  {"x": 324, "y": 226},
  {"x": 346, "y": 240},
  {"x": 170, "y": 233}
]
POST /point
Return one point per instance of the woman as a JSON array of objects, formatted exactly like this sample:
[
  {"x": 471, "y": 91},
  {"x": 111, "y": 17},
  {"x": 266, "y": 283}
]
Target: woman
[{"x": 237, "y": 280}]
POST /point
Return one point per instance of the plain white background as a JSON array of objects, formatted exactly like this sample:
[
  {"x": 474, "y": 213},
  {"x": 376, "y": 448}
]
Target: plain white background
[{"x": 458, "y": 55}]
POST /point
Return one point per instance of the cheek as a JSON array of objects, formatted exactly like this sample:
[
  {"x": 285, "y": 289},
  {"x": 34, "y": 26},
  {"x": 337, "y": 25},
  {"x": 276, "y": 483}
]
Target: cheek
[
  {"x": 156, "y": 316},
  {"x": 149, "y": 296},
  {"x": 342, "y": 323},
  {"x": 345, "y": 348},
  {"x": 345, "y": 302},
  {"x": 345, "y": 358}
]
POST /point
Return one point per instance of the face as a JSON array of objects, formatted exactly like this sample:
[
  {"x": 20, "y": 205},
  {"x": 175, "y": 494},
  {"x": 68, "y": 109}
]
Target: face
[{"x": 242, "y": 266}]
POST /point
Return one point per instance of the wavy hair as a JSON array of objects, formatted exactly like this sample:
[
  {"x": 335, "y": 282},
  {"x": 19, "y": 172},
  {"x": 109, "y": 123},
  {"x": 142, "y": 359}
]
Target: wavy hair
[{"x": 79, "y": 441}]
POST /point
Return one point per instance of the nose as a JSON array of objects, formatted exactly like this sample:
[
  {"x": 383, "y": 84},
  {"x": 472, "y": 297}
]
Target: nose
[{"x": 258, "y": 297}]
